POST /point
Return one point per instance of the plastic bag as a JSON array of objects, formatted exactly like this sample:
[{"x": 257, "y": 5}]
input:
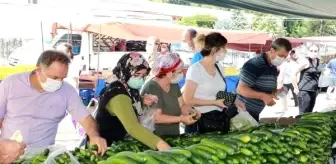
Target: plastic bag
[
  {"x": 51, "y": 160},
  {"x": 242, "y": 121},
  {"x": 148, "y": 118},
  {"x": 281, "y": 104}
]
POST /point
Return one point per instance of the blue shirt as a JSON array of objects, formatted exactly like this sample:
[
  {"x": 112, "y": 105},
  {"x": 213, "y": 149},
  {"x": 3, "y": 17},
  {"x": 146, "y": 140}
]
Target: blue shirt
[
  {"x": 332, "y": 66},
  {"x": 196, "y": 58}
]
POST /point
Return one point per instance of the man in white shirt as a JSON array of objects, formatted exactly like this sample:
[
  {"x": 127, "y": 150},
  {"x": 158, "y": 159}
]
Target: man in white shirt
[{"x": 286, "y": 73}]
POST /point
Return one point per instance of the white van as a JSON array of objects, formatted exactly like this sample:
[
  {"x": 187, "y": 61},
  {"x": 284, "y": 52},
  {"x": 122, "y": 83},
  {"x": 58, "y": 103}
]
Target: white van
[{"x": 93, "y": 50}]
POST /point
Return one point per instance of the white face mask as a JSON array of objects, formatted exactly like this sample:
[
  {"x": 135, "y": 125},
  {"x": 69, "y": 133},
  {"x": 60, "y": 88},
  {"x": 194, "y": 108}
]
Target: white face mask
[
  {"x": 177, "y": 78},
  {"x": 149, "y": 48},
  {"x": 51, "y": 85},
  {"x": 221, "y": 57},
  {"x": 313, "y": 54},
  {"x": 277, "y": 61},
  {"x": 186, "y": 47}
]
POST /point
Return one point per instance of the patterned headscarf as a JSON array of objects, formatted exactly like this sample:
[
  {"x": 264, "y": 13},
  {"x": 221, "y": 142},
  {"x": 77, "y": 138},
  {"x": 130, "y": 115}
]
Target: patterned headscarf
[{"x": 127, "y": 66}]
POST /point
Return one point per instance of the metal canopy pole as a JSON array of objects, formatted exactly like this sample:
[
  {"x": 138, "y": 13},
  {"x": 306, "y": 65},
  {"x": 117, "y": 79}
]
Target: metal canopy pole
[
  {"x": 99, "y": 37},
  {"x": 69, "y": 39},
  {"x": 41, "y": 25}
]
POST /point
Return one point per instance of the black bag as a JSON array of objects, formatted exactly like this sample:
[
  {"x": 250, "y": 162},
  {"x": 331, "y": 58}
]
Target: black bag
[
  {"x": 213, "y": 121},
  {"x": 229, "y": 98}
]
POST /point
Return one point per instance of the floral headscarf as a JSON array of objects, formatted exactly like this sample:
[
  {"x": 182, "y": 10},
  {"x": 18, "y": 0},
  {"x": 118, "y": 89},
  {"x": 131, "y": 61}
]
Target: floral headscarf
[{"x": 127, "y": 66}]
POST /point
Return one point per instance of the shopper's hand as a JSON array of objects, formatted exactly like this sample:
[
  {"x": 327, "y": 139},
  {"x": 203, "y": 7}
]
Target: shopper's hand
[
  {"x": 240, "y": 105},
  {"x": 296, "y": 91},
  {"x": 220, "y": 103},
  {"x": 188, "y": 119},
  {"x": 162, "y": 146},
  {"x": 197, "y": 114},
  {"x": 149, "y": 99},
  {"x": 10, "y": 150},
  {"x": 268, "y": 99},
  {"x": 100, "y": 142}
]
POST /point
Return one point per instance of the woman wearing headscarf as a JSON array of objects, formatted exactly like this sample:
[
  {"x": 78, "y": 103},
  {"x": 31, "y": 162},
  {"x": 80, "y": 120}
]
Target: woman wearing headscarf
[
  {"x": 171, "y": 109},
  {"x": 120, "y": 104}
]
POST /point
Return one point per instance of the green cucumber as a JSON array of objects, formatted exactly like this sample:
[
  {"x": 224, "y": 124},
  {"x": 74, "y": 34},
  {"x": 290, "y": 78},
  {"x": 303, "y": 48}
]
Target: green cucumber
[
  {"x": 246, "y": 151},
  {"x": 149, "y": 158},
  {"x": 181, "y": 151},
  {"x": 202, "y": 153},
  {"x": 121, "y": 160},
  {"x": 132, "y": 155},
  {"x": 216, "y": 144},
  {"x": 273, "y": 159}
]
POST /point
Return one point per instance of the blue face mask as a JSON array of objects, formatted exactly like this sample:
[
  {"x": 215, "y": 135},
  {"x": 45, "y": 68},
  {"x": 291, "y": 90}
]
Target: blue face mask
[{"x": 136, "y": 83}]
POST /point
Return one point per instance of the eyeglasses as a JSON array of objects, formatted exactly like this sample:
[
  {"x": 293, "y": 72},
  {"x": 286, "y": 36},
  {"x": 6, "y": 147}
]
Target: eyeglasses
[{"x": 313, "y": 51}]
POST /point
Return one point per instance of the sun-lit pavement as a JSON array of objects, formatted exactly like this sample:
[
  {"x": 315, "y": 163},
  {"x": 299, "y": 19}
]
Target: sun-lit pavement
[
  {"x": 322, "y": 104},
  {"x": 68, "y": 137}
]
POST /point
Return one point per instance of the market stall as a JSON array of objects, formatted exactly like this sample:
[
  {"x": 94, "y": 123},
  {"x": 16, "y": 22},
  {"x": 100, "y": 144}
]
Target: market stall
[{"x": 302, "y": 140}]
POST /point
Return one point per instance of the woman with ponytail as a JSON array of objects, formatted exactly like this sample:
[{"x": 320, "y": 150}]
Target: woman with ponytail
[{"x": 199, "y": 45}]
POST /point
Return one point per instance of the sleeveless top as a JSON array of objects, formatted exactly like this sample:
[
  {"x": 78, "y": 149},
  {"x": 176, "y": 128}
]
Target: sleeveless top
[
  {"x": 309, "y": 77},
  {"x": 109, "y": 126}
]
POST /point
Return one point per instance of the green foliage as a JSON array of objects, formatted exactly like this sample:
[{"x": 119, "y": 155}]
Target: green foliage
[
  {"x": 305, "y": 28},
  {"x": 183, "y": 2},
  {"x": 226, "y": 24},
  {"x": 268, "y": 23},
  {"x": 205, "y": 21},
  {"x": 239, "y": 20}
]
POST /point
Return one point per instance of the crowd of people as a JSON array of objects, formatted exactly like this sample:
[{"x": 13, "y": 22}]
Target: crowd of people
[{"x": 34, "y": 103}]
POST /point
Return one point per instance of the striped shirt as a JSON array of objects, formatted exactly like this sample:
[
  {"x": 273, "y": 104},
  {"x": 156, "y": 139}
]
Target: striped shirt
[{"x": 260, "y": 76}]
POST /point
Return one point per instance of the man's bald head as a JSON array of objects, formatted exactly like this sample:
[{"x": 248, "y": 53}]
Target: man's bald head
[
  {"x": 66, "y": 48},
  {"x": 189, "y": 35}
]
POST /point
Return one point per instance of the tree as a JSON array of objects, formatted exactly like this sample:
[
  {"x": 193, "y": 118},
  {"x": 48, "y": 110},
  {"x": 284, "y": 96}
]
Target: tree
[
  {"x": 298, "y": 28},
  {"x": 239, "y": 20},
  {"x": 305, "y": 28},
  {"x": 179, "y": 2},
  {"x": 226, "y": 24},
  {"x": 183, "y": 2},
  {"x": 205, "y": 21},
  {"x": 268, "y": 23}
]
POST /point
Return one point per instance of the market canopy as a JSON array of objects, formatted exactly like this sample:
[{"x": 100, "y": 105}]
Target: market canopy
[
  {"x": 169, "y": 34},
  {"x": 319, "y": 9},
  {"x": 296, "y": 42}
]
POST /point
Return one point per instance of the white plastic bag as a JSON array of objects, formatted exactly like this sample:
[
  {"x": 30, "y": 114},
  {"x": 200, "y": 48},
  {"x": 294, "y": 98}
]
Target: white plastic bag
[
  {"x": 242, "y": 121},
  {"x": 51, "y": 160},
  {"x": 148, "y": 118},
  {"x": 281, "y": 104}
]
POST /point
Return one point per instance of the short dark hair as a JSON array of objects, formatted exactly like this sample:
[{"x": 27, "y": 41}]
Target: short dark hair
[
  {"x": 192, "y": 32},
  {"x": 293, "y": 51},
  {"x": 281, "y": 43},
  {"x": 50, "y": 56},
  {"x": 213, "y": 40}
]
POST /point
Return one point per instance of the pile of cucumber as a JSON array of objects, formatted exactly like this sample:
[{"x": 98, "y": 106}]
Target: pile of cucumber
[{"x": 307, "y": 141}]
